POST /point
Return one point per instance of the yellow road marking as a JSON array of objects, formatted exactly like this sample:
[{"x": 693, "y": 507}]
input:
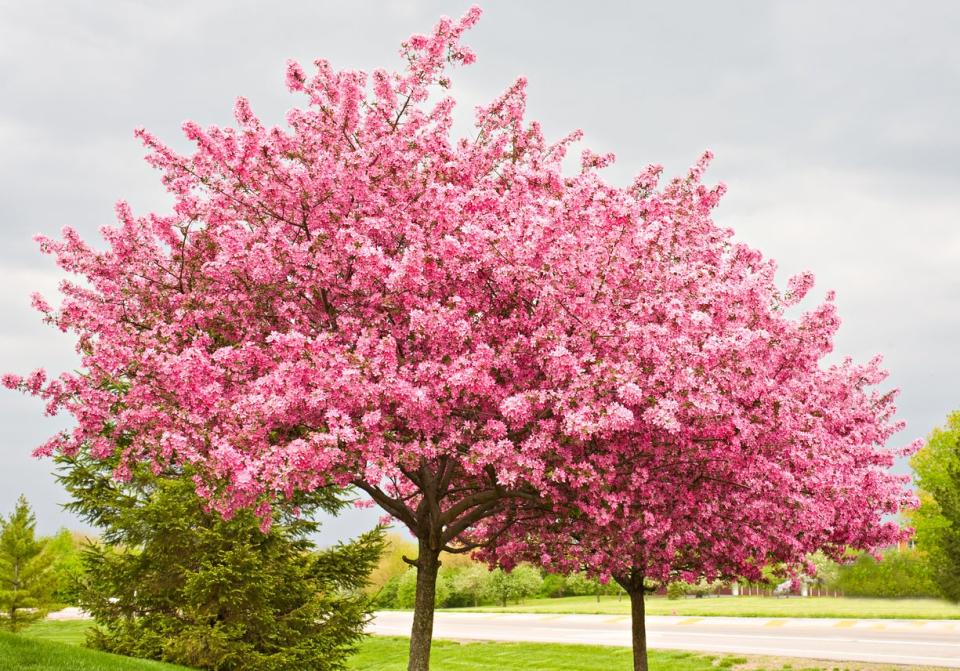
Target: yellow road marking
[
  {"x": 691, "y": 620},
  {"x": 846, "y": 623},
  {"x": 775, "y": 623}
]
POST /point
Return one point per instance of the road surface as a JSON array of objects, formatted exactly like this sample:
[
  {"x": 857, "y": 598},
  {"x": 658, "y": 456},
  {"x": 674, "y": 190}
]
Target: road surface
[{"x": 919, "y": 642}]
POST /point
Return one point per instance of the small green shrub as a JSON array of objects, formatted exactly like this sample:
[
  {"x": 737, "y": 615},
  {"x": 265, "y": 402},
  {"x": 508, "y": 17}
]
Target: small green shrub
[{"x": 899, "y": 573}]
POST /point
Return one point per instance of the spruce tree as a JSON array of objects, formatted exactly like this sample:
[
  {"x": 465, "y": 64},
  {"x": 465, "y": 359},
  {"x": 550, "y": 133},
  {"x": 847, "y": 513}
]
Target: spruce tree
[
  {"x": 26, "y": 569},
  {"x": 172, "y": 580}
]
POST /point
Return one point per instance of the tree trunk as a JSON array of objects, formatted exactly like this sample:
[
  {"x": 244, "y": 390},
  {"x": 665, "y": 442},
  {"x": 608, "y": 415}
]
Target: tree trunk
[
  {"x": 638, "y": 630},
  {"x": 633, "y": 585},
  {"x": 421, "y": 634}
]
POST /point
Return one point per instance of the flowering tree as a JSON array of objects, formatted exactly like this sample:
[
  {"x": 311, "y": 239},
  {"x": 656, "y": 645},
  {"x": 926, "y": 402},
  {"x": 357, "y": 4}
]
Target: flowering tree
[
  {"x": 457, "y": 328},
  {"x": 733, "y": 446},
  {"x": 354, "y": 299}
]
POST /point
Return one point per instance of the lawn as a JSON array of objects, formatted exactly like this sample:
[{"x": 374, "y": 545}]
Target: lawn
[
  {"x": 746, "y": 606},
  {"x": 60, "y": 631},
  {"x": 55, "y": 646},
  {"x": 390, "y": 654},
  {"x": 25, "y": 653}
]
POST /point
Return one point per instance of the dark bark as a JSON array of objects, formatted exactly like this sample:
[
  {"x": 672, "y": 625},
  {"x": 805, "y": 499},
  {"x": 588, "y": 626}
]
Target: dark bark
[
  {"x": 638, "y": 630},
  {"x": 439, "y": 529},
  {"x": 421, "y": 634},
  {"x": 633, "y": 585}
]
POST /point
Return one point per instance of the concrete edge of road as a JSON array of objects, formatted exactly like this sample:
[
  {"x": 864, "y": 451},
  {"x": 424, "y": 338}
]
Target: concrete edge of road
[
  {"x": 716, "y": 620},
  {"x": 931, "y": 644}
]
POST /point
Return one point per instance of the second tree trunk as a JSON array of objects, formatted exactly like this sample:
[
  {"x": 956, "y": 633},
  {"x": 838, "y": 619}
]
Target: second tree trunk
[{"x": 421, "y": 634}]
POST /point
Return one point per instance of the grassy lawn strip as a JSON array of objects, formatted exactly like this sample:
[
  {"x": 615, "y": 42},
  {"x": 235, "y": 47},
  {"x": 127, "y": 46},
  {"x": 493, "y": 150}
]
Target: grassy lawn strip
[
  {"x": 55, "y": 646},
  {"x": 390, "y": 654},
  {"x": 745, "y": 606},
  {"x": 25, "y": 653},
  {"x": 61, "y": 631}
]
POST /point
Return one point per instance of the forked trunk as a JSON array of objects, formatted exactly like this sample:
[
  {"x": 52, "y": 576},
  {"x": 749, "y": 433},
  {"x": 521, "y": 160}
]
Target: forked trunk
[
  {"x": 633, "y": 586},
  {"x": 421, "y": 634}
]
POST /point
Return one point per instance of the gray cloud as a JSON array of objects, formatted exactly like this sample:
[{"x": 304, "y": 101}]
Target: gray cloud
[{"x": 834, "y": 126}]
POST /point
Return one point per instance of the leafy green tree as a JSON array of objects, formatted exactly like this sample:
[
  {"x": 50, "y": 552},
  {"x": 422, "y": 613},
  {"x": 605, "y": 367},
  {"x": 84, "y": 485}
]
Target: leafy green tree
[
  {"x": 468, "y": 586},
  {"x": 174, "y": 581},
  {"x": 580, "y": 584},
  {"x": 515, "y": 585},
  {"x": 937, "y": 521},
  {"x": 391, "y": 565},
  {"x": 407, "y": 589},
  {"x": 386, "y": 596},
  {"x": 554, "y": 586},
  {"x": 27, "y": 579},
  {"x": 66, "y": 547},
  {"x": 700, "y": 589},
  {"x": 899, "y": 573}
]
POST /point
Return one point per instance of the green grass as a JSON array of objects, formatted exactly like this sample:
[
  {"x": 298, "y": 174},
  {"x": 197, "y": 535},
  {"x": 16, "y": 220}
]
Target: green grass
[
  {"x": 60, "y": 631},
  {"x": 23, "y": 652},
  {"x": 745, "y": 606},
  {"x": 390, "y": 654},
  {"x": 55, "y": 646}
]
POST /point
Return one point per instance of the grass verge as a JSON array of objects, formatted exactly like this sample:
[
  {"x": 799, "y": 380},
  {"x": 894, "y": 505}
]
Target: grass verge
[
  {"x": 390, "y": 654},
  {"x": 55, "y": 646},
  {"x": 25, "y": 653}
]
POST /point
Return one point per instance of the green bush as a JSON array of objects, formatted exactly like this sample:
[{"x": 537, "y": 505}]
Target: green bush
[
  {"x": 580, "y": 584},
  {"x": 900, "y": 573},
  {"x": 676, "y": 590},
  {"x": 407, "y": 589},
  {"x": 467, "y": 586},
  {"x": 68, "y": 566},
  {"x": 387, "y": 596},
  {"x": 516, "y": 585},
  {"x": 554, "y": 586}
]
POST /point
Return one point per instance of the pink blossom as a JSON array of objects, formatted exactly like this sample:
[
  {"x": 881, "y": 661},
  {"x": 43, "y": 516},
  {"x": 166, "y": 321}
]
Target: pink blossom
[
  {"x": 503, "y": 356},
  {"x": 11, "y": 381}
]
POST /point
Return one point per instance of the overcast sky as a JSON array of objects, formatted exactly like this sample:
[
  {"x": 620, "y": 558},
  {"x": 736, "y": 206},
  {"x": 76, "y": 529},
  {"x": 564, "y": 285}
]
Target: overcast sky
[{"x": 835, "y": 127}]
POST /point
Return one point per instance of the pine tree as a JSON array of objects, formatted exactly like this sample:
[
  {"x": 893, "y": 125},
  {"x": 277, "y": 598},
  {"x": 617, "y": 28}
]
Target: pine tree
[
  {"x": 172, "y": 580},
  {"x": 26, "y": 570}
]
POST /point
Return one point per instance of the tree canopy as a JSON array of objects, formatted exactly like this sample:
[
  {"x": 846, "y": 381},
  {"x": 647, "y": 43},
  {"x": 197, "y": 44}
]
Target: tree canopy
[
  {"x": 937, "y": 521},
  {"x": 491, "y": 348}
]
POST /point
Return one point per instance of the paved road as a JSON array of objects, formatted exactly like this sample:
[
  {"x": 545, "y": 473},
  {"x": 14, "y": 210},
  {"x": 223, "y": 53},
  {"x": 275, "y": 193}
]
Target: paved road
[{"x": 926, "y": 642}]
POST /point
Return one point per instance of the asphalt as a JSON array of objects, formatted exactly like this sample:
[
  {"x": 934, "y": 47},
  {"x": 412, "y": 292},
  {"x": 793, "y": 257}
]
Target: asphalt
[{"x": 913, "y": 642}]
